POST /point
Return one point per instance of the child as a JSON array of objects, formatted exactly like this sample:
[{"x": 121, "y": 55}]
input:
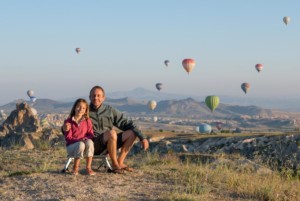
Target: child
[{"x": 79, "y": 136}]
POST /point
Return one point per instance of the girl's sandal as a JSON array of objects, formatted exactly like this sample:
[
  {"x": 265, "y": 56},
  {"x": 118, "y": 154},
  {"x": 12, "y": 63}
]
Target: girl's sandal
[{"x": 90, "y": 172}]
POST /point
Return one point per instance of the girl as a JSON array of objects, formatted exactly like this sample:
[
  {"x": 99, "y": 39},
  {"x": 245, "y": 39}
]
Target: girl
[{"x": 79, "y": 136}]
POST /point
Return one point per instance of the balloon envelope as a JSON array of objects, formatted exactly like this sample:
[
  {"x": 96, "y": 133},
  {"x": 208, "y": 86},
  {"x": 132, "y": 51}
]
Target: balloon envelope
[
  {"x": 30, "y": 92},
  {"x": 77, "y": 50},
  {"x": 155, "y": 119},
  {"x": 245, "y": 87},
  {"x": 204, "y": 128},
  {"x": 286, "y": 20},
  {"x": 188, "y": 65},
  {"x": 158, "y": 86},
  {"x": 212, "y": 102},
  {"x": 152, "y": 104},
  {"x": 167, "y": 62},
  {"x": 259, "y": 67}
]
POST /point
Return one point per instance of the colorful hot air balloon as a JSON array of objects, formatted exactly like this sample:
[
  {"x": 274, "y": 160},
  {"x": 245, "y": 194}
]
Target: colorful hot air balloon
[
  {"x": 204, "y": 128},
  {"x": 30, "y": 93},
  {"x": 245, "y": 87},
  {"x": 158, "y": 86},
  {"x": 259, "y": 67},
  {"x": 188, "y": 65},
  {"x": 219, "y": 125},
  {"x": 212, "y": 102},
  {"x": 286, "y": 20},
  {"x": 152, "y": 104},
  {"x": 77, "y": 50},
  {"x": 167, "y": 62}
]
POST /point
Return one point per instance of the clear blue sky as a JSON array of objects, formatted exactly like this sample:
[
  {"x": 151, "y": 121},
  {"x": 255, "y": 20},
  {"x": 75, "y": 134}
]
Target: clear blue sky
[{"x": 124, "y": 44}]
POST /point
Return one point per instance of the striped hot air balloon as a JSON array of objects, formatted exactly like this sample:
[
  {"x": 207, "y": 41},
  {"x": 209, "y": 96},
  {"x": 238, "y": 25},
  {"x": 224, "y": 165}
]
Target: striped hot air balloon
[
  {"x": 259, "y": 67},
  {"x": 212, "y": 102},
  {"x": 188, "y": 65}
]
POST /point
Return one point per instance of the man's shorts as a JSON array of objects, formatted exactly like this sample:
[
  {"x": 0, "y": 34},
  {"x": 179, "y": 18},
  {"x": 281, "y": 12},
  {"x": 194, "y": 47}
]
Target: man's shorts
[{"x": 100, "y": 145}]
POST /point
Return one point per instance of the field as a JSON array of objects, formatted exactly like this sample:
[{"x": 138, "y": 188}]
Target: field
[{"x": 36, "y": 175}]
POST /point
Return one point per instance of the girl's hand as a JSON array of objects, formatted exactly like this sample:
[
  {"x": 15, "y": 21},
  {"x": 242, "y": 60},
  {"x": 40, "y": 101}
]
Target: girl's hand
[{"x": 66, "y": 127}]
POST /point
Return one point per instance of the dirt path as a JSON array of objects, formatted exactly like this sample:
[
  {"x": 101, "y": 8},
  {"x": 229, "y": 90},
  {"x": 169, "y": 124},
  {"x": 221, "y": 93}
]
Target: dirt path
[{"x": 104, "y": 186}]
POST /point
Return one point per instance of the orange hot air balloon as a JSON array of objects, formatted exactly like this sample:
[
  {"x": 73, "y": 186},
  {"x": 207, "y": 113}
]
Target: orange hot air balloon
[
  {"x": 259, "y": 67},
  {"x": 188, "y": 65}
]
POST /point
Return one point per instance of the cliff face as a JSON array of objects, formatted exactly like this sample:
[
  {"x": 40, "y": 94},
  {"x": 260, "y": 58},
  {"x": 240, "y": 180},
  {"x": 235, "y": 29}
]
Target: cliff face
[{"x": 22, "y": 119}]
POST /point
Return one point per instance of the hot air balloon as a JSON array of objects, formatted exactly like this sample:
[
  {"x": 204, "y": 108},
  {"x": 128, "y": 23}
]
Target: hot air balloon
[
  {"x": 155, "y": 119},
  {"x": 286, "y": 20},
  {"x": 77, "y": 50},
  {"x": 167, "y": 62},
  {"x": 188, "y": 65},
  {"x": 152, "y": 104},
  {"x": 245, "y": 87},
  {"x": 259, "y": 67},
  {"x": 219, "y": 125},
  {"x": 30, "y": 93},
  {"x": 158, "y": 86},
  {"x": 212, "y": 102},
  {"x": 33, "y": 99},
  {"x": 204, "y": 128}
]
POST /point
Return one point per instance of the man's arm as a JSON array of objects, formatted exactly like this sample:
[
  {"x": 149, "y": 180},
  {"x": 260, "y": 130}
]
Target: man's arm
[{"x": 126, "y": 124}]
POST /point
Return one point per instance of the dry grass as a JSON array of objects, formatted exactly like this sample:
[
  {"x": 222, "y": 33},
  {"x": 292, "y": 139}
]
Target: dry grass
[
  {"x": 34, "y": 175},
  {"x": 225, "y": 181}
]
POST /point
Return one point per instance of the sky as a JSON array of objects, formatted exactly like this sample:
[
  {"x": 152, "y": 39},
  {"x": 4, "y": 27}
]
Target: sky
[{"x": 124, "y": 45}]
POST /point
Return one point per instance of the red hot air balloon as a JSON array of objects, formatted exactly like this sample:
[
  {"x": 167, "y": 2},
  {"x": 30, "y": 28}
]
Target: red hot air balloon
[
  {"x": 259, "y": 67},
  {"x": 188, "y": 65}
]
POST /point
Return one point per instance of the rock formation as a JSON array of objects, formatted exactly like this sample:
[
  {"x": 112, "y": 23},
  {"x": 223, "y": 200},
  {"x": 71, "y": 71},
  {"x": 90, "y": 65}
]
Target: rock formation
[{"x": 22, "y": 119}]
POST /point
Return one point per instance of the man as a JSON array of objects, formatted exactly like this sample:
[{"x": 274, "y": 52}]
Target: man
[{"x": 104, "y": 118}]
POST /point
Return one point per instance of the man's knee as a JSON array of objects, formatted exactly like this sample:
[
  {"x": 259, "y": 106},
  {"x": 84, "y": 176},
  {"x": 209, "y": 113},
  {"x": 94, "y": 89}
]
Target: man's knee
[
  {"x": 129, "y": 135},
  {"x": 111, "y": 135}
]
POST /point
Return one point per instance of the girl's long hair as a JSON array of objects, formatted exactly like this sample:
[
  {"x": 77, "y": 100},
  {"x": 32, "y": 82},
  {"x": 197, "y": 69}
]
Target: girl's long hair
[{"x": 80, "y": 100}]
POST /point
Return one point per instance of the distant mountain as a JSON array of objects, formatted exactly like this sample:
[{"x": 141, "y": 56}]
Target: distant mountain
[
  {"x": 135, "y": 103},
  {"x": 142, "y": 94},
  {"x": 188, "y": 107},
  {"x": 145, "y": 94}
]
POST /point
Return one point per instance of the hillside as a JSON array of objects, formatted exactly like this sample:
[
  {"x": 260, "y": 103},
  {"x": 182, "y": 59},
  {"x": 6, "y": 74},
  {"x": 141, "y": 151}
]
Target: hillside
[{"x": 184, "y": 108}]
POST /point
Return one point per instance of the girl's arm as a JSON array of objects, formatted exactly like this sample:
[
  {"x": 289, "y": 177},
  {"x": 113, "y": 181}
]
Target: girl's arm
[
  {"x": 69, "y": 135},
  {"x": 90, "y": 130}
]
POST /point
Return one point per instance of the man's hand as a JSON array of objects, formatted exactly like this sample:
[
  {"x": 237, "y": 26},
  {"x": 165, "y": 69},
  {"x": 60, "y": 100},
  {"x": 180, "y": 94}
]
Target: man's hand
[
  {"x": 145, "y": 144},
  {"x": 66, "y": 127}
]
